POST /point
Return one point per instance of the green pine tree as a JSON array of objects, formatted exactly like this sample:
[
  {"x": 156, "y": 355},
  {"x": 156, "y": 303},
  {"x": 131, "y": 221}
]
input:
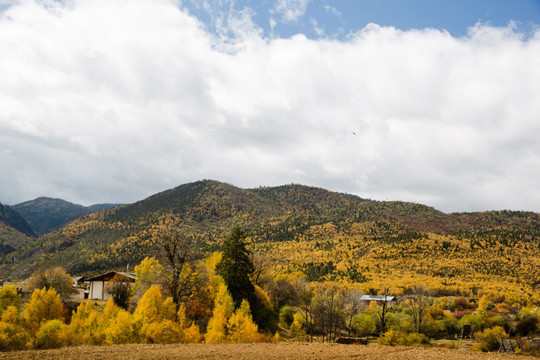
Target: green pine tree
[{"x": 235, "y": 268}]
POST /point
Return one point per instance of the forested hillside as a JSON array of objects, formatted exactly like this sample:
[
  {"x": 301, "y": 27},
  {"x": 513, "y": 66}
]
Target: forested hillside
[
  {"x": 46, "y": 214},
  {"x": 326, "y": 235},
  {"x": 14, "y": 230}
]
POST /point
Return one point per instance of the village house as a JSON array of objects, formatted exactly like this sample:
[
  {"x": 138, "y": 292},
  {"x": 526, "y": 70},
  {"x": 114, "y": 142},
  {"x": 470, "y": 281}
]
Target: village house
[
  {"x": 378, "y": 298},
  {"x": 99, "y": 286}
]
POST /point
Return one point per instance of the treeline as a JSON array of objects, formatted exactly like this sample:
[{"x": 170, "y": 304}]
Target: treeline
[{"x": 237, "y": 296}]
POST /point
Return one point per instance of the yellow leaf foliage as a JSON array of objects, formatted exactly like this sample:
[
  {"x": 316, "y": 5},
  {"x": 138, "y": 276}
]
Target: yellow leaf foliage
[
  {"x": 217, "y": 326},
  {"x": 150, "y": 307},
  {"x": 51, "y": 335},
  {"x": 241, "y": 327},
  {"x": 225, "y": 300},
  {"x": 12, "y": 334},
  {"x": 164, "y": 332},
  {"x": 44, "y": 305},
  {"x": 84, "y": 324},
  {"x": 120, "y": 329}
]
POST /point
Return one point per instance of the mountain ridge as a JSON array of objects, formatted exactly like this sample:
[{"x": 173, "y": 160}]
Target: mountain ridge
[
  {"x": 45, "y": 214},
  {"x": 325, "y": 234}
]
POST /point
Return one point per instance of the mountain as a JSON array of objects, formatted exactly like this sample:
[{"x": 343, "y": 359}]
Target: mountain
[
  {"x": 47, "y": 214},
  {"x": 15, "y": 232},
  {"x": 326, "y": 235}
]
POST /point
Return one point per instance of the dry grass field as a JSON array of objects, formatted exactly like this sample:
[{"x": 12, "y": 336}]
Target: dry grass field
[{"x": 279, "y": 351}]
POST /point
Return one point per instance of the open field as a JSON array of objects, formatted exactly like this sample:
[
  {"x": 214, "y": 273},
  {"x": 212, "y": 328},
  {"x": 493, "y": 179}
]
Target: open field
[{"x": 279, "y": 351}]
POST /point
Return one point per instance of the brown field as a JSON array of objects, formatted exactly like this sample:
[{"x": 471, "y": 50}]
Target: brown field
[{"x": 279, "y": 351}]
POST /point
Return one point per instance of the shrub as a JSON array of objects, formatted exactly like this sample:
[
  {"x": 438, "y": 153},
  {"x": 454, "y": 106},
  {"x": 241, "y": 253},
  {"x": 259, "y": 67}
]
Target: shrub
[
  {"x": 51, "y": 335},
  {"x": 451, "y": 326},
  {"x": 461, "y": 303},
  {"x": 433, "y": 328},
  {"x": 390, "y": 338},
  {"x": 527, "y": 325},
  {"x": 9, "y": 297},
  {"x": 165, "y": 332},
  {"x": 364, "y": 324},
  {"x": 192, "y": 334},
  {"x": 477, "y": 321},
  {"x": 397, "y": 337},
  {"x": 12, "y": 335},
  {"x": 490, "y": 338},
  {"x": 297, "y": 325},
  {"x": 121, "y": 294},
  {"x": 267, "y": 319},
  {"x": 286, "y": 315},
  {"x": 416, "y": 339}
]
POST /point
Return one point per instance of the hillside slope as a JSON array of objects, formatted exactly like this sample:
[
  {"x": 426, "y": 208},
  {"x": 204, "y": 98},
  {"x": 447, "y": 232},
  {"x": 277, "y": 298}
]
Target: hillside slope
[
  {"x": 47, "y": 214},
  {"x": 327, "y": 235},
  {"x": 15, "y": 232}
]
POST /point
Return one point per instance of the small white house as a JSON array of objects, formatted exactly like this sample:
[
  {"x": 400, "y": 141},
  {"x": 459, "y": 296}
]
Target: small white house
[
  {"x": 378, "y": 298},
  {"x": 99, "y": 285}
]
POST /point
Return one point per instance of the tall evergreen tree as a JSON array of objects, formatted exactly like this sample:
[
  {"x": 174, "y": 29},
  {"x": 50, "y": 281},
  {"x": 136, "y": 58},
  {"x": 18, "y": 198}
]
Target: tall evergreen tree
[{"x": 236, "y": 267}]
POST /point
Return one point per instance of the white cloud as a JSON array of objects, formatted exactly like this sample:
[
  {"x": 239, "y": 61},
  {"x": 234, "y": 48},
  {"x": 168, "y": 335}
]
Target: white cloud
[
  {"x": 114, "y": 100},
  {"x": 316, "y": 28},
  {"x": 332, "y": 10},
  {"x": 291, "y": 10}
]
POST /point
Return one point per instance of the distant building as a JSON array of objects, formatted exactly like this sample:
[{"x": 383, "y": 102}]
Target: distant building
[
  {"x": 100, "y": 285},
  {"x": 378, "y": 298}
]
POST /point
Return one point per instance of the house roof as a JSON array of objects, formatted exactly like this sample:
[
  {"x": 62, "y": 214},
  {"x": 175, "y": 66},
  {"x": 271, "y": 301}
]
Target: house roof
[
  {"x": 377, "y": 298},
  {"x": 123, "y": 276}
]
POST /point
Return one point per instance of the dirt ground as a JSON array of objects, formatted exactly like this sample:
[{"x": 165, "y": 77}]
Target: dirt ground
[{"x": 279, "y": 351}]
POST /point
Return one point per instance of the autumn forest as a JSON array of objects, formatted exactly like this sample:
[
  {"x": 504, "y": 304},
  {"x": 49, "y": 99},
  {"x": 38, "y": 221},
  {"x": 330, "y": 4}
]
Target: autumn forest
[{"x": 215, "y": 263}]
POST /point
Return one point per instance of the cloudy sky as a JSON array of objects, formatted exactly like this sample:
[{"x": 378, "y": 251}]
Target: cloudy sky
[{"x": 435, "y": 102}]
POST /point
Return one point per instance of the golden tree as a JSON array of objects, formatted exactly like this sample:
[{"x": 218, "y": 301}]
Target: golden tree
[
  {"x": 241, "y": 327},
  {"x": 44, "y": 305}
]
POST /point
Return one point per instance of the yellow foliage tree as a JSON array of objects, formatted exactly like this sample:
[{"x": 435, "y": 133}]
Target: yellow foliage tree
[
  {"x": 483, "y": 304},
  {"x": 224, "y": 298},
  {"x": 217, "y": 326},
  {"x": 9, "y": 297},
  {"x": 12, "y": 334},
  {"x": 164, "y": 332},
  {"x": 103, "y": 321},
  {"x": 149, "y": 272},
  {"x": 241, "y": 327},
  {"x": 44, "y": 305},
  {"x": 149, "y": 308},
  {"x": 190, "y": 332},
  {"x": 296, "y": 327},
  {"x": 168, "y": 309},
  {"x": 84, "y": 324},
  {"x": 489, "y": 338},
  {"x": 216, "y": 331},
  {"x": 156, "y": 318},
  {"x": 51, "y": 335},
  {"x": 120, "y": 329},
  {"x": 262, "y": 296}
]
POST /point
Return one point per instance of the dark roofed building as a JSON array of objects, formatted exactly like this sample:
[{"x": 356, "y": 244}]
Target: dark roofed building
[{"x": 99, "y": 285}]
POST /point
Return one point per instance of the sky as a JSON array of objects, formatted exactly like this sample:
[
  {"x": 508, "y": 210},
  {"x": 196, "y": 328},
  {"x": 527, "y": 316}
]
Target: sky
[{"x": 434, "y": 102}]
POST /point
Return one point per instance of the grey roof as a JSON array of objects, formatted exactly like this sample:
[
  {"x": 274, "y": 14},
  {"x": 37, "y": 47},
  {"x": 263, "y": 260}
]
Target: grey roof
[
  {"x": 111, "y": 274},
  {"x": 377, "y": 298}
]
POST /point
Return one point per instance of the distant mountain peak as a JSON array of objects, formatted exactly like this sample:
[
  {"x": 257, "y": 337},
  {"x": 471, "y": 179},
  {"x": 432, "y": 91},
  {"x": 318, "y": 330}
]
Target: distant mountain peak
[
  {"x": 12, "y": 218},
  {"x": 45, "y": 214}
]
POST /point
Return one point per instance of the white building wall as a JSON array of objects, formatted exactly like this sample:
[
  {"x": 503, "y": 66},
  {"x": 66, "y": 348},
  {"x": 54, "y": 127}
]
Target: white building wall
[{"x": 96, "y": 290}]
